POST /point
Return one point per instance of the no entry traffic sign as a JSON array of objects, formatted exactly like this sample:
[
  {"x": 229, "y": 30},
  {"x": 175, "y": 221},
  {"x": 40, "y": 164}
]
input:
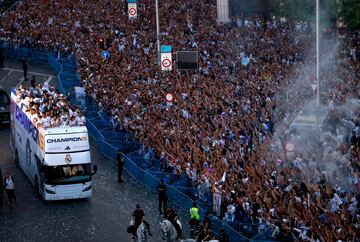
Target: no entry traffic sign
[
  {"x": 132, "y": 12},
  {"x": 166, "y": 63}
]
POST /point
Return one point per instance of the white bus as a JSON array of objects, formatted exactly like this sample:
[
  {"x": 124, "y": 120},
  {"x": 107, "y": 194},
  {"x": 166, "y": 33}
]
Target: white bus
[{"x": 56, "y": 160}]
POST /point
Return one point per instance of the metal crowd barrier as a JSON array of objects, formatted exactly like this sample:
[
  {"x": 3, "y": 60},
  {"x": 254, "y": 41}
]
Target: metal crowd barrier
[{"x": 110, "y": 142}]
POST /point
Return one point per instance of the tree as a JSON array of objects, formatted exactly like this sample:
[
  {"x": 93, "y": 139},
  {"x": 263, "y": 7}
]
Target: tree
[
  {"x": 331, "y": 11},
  {"x": 293, "y": 9},
  {"x": 305, "y": 10},
  {"x": 248, "y": 8},
  {"x": 351, "y": 13}
]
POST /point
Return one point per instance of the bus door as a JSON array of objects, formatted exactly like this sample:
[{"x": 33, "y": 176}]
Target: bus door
[{"x": 41, "y": 175}]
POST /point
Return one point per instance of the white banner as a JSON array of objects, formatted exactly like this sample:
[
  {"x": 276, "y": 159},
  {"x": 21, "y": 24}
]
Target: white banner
[
  {"x": 66, "y": 142},
  {"x": 166, "y": 61}
]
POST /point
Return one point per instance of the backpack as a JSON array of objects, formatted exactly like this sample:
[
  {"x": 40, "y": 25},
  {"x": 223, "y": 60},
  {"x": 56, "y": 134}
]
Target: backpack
[{"x": 131, "y": 229}]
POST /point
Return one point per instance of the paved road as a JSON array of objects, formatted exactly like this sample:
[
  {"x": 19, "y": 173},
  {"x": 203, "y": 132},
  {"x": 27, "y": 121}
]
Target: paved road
[
  {"x": 12, "y": 74},
  {"x": 6, "y": 4},
  {"x": 103, "y": 217}
]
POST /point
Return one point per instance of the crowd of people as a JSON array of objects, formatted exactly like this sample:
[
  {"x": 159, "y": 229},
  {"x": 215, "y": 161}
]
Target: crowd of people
[
  {"x": 229, "y": 120},
  {"x": 46, "y": 107}
]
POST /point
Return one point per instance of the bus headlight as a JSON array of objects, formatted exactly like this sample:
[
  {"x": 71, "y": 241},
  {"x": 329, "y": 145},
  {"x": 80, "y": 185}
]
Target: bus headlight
[
  {"x": 49, "y": 191},
  {"x": 86, "y": 189}
]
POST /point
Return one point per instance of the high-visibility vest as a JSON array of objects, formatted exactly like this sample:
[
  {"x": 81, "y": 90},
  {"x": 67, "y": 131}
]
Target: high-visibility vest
[{"x": 194, "y": 212}]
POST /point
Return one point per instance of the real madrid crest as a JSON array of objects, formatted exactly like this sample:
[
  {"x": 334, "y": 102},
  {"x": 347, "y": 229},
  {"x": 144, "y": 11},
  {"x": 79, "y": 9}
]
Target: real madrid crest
[{"x": 68, "y": 158}]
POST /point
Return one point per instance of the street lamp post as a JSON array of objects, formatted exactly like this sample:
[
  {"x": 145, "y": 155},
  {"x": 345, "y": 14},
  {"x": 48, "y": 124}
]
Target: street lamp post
[
  {"x": 317, "y": 53},
  {"x": 157, "y": 31}
]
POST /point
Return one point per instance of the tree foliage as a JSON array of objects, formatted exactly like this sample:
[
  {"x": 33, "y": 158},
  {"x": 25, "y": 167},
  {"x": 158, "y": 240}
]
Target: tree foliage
[
  {"x": 351, "y": 13},
  {"x": 331, "y": 11}
]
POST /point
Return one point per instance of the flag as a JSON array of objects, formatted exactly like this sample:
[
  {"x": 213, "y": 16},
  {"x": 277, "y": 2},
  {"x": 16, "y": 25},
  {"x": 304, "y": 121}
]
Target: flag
[
  {"x": 245, "y": 61},
  {"x": 223, "y": 177}
]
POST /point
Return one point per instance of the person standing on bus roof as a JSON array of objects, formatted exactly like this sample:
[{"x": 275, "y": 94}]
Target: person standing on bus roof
[
  {"x": 33, "y": 82},
  {"x": 25, "y": 68},
  {"x": 162, "y": 196},
  {"x": 9, "y": 183},
  {"x": 120, "y": 161}
]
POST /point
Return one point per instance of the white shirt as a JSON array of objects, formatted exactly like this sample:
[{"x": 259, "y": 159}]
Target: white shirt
[
  {"x": 64, "y": 120},
  {"x": 134, "y": 41},
  {"x": 9, "y": 184},
  {"x": 47, "y": 122},
  {"x": 32, "y": 117},
  {"x": 39, "y": 122},
  {"x": 25, "y": 103},
  {"x": 71, "y": 112},
  {"x": 54, "y": 122},
  {"x": 231, "y": 209},
  {"x": 185, "y": 114},
  {"x": 80, "y": 120},
  {"x": 121, "y": 47},
  {"x": 72, "y": 122}
]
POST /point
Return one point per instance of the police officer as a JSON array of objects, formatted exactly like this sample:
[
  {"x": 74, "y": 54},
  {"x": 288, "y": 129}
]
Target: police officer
[
  {"x": 194, "y": 219},
  {"x": 25, "y": 68},
  {"x": 162, "y": 196}
]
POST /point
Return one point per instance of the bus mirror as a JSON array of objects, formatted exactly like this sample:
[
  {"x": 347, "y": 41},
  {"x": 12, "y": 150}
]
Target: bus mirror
[
  {"x": 42, "y": 168},
  {"x": 95, "y": 169}
]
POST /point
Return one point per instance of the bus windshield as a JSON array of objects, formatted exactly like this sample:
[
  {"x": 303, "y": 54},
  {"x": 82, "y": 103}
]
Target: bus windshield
[{"x": 67, "y": 174}]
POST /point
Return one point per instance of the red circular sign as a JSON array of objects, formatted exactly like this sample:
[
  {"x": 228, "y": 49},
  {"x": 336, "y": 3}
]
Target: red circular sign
[
  {"x": 166, "y": 63},
  {"x": 169, "y": 97},
  {"x": 132, "y": 11}
]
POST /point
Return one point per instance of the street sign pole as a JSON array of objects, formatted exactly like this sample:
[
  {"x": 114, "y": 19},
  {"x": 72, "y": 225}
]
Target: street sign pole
[
  {"x": 317, "y": 53},
  {"x": 158, "y": 32}
]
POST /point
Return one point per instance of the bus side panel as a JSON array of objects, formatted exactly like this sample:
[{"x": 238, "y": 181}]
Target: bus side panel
[{"x": 25, "y": 145}]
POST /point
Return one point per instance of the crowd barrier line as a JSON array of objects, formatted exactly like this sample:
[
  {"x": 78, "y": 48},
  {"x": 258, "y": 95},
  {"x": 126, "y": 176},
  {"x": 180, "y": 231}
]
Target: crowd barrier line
[{"x": 148, "y": 178}]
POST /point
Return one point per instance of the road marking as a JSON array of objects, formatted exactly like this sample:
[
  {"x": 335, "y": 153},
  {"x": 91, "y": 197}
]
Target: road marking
[
  {"x": 49, "y": 79},
  {"x": 20, "y": 81},
  {"x": 10, "y": 73},
  {"x": 30, "y": 72},
  {"x": 2, "y": 79}
]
